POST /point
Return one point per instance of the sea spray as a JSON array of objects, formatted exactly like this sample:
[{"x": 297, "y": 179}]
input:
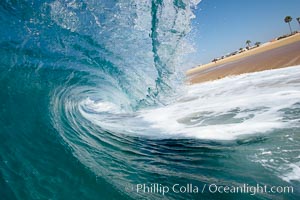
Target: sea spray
[{"x": 137, "y": 41}]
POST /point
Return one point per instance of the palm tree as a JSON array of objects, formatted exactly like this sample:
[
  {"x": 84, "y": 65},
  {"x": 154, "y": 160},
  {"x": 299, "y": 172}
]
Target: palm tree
[
  {"x": 248, "y": 43},
  {"x": 257, "y": 44},
  {"x": 298, "y": 19},
  {"x": 288, "y": 19}
]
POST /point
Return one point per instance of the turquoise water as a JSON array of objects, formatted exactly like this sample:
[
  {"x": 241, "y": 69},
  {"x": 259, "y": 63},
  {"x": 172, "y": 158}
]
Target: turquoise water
[{"x": 91, "y": 105}]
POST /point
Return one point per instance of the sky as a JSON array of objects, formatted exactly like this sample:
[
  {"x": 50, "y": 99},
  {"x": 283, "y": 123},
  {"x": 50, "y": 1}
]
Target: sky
[{"x": 223, "y": 26}]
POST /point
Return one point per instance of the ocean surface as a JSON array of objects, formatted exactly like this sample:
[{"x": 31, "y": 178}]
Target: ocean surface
[{"x": 92, "y": 103}]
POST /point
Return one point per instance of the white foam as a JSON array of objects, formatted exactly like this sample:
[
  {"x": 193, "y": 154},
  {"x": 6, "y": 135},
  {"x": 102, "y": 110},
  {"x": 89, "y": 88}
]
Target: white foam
[
  {"x": 230, "y": 107},
  {"x": 293, "y": 172},
  {"x": 284, "y": 161},
  {"x": 100, "y": 106}
]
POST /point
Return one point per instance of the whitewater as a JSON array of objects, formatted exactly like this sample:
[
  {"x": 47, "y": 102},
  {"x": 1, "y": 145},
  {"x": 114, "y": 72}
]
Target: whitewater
[{"x": 93, "y": 102}]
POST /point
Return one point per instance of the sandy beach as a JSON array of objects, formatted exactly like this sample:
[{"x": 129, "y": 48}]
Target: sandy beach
[{"x": 271, "y": 55}]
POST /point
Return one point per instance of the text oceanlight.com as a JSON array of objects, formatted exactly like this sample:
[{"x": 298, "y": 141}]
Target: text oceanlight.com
[{"x": 156, "y": 188}]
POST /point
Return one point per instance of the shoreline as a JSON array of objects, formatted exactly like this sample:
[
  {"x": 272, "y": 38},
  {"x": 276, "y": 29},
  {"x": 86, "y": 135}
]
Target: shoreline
[{"x": 271, "y": 55}]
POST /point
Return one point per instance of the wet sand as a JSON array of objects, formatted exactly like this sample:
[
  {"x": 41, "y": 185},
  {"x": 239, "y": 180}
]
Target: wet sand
[{"x": 278, "y": 54}]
